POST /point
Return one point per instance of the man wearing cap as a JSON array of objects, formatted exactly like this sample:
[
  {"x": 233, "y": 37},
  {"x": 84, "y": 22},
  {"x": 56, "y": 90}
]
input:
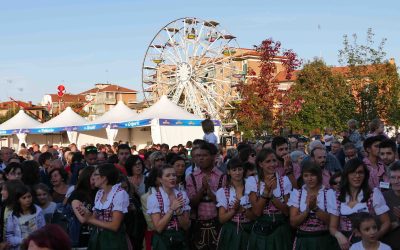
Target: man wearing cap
[{"x": 91, "y": 156}]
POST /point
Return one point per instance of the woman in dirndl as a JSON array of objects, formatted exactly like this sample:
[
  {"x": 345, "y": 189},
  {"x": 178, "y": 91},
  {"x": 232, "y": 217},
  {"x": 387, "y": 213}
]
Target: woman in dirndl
[
  {"x": 268, "y": 193},
  {"x": 111, "y": 203},
  {"x": 355, "y": 196},
  {"x": 234, "y": 209},
  {"x": 169, "y": 210},
  {"x": 309, "y": 211}
]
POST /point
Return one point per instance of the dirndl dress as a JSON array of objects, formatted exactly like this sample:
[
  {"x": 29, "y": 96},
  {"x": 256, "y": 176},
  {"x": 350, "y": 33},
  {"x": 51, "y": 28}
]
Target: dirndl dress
[
  {"x": 313, "y": 233},
  {"x": 104, "y": 239},
  {"x": 272, "y": 230},
  {"x": 234, "y": 234},
  {"x": 172, "y": 237}
]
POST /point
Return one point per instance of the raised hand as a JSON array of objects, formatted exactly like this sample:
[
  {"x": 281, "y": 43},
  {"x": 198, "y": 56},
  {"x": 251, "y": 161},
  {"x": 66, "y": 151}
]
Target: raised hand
[
  {"x": 177, "y": 203},
  {"x": 236, "y": 205}
]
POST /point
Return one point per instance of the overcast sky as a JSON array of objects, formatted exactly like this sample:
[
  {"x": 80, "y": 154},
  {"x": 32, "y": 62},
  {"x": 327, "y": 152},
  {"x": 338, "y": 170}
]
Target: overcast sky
[{"x": 80, "y": 43}]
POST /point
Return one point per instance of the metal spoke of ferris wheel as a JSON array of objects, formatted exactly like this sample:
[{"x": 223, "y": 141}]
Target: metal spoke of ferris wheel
[{"x": 191, "y": 62}]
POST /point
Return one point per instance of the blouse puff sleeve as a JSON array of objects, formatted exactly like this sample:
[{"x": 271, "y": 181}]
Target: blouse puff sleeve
[
  {"x": 294, "y": 199},
  {"x": 121, "y": 201},
  {"x": 287, "y": 185},
  {"x": 221, "y": 198},
  {"x": 251, "y": 185},
  {"x": 152, "y": 205},
  {"x": 332, "y": 202},
  {"x": 379, "y": 203}
]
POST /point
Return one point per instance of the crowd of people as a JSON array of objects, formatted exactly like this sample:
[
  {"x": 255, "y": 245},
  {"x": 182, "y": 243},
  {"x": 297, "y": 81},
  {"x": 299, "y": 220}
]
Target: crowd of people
[{"x": 279, "y": 194}]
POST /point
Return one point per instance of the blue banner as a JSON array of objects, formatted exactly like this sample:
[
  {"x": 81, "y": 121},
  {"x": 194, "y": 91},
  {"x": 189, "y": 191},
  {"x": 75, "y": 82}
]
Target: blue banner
[
  {"x": 128, "y": 124},
  {"x": 51, "y": 130},
  {"x": 9, "y": 132},
  {"x": 92, "y": 127},
  {"x": 131, "y": 124},
  {"x": 174, "y": 122}
]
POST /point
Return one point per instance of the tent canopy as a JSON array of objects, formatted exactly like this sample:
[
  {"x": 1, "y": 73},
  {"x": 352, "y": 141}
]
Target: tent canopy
[
  {"x": 67, "y": 118},
  {"x": 166, "y": 109},
  {"x": 119, "y": 113},
  {"x": 20, "y": 121}
]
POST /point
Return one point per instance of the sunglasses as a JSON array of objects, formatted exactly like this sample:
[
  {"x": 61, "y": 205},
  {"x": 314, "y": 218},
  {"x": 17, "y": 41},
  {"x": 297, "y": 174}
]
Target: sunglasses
[
  {"x": 252, "y": 155},
  {"x": 91, "y": 150}
]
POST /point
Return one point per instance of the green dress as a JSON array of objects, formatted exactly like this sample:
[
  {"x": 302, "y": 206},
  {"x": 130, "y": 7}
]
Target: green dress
[
  {"x": 271, "y": 232},
  {"x": 169, "y": 240},
  {"x": 103, "y": 239},
  {"x": 234, "y": 236}
]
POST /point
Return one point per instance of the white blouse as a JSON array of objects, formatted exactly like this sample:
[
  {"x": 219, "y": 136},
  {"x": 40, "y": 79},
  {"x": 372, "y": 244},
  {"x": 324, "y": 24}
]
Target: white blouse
[
  {"x": 223, "y": 202},
  {"x": 153, "y": 205},
  {"x": 294, "y": 198},
  {"x": 378, "y": 203},
  {"x": 117, "y": 196},
  {"x": 251, "y": 186}
]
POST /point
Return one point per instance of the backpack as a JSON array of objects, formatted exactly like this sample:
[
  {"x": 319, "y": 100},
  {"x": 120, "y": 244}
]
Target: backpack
[{"x": 64, "y": 216}]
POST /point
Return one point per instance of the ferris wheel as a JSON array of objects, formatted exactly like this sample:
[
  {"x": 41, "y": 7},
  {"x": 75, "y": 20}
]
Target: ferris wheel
[{"x": 192, "y": 62}]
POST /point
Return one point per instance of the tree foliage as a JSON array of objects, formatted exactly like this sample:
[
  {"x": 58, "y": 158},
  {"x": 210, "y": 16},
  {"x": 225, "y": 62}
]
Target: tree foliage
[
  {"x": 9, "y": 114},
  {"x": 374, "y": 81},
  {"x": 325, "y": 97},
  {"x": 78, "y": 108},
  {"x": 257, "y": 111}
]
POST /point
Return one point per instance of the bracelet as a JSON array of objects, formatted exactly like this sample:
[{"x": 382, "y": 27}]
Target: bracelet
[{"x": 265, "y": 197}]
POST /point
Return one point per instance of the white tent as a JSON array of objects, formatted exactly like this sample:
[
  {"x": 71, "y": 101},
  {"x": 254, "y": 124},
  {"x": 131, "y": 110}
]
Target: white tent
[
  {"x": 19, "y": 123},
  {"x": 117, "y": 114},
  {"x": 67, "y": 118},
  {"x": 171, "y": 124}
]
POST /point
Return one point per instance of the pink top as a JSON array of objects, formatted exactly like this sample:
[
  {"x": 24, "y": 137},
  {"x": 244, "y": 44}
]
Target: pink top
[
  {"x": 376, "y": 173},
  {"x": 207, "y": 209}
]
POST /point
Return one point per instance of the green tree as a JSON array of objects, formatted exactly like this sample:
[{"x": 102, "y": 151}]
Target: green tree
[
  {"x": 9, "y": 114},
  {"x": 374, "y": 81},
  {"x": 325, "y": 97}
]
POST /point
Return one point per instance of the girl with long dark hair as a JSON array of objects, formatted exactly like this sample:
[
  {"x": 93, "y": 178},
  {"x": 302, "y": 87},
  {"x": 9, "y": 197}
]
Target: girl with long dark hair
[
  {"x": 25, "y": 218},
  {"x": 268, "y": 193},
  {"x": 7, "y": 202},
  {"x": 234, "y": 209},
  {"x": 82, "y": 196},
  {"x": 309, "y": 211},
  {"x": 110, "y": 205},
  {"x": 169, "y": 210},
  {"x": 355, "y": 196}
]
